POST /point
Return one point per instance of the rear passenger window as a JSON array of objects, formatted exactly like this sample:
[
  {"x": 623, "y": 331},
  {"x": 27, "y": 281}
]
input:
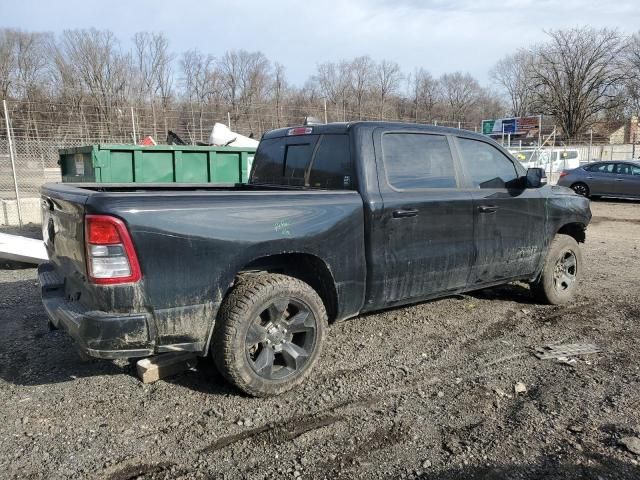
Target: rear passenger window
[
  {"x": 296, "y": 161},
  {"x": 487, "y": 166},
  {"x": 602, "y": 168},
  {"x": 331, "y": 168},
  {"x": 418, "y": 160},
  {"x": 623, "y": 169},
  {"x": 315, "y": 161}
]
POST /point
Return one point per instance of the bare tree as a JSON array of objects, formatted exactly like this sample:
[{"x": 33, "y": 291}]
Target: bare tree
[
  {"x": 7, "y": 60},
  {"x": 31, "y": 66},
  {"x": 246, "y": 77},
  {"x": 633, "y": 79},
  {"x": 154, "y": 69},
  {"x": 513, "y": 73},
  {"x": 361, "y": 80},
  {"x": 84, "y": 82},
  {"x": 387, "y": 81},
  {"x": 489, "y": 105},
  {"x": 460, "y": 92},
  {"x": 104, "y": 71},
  {"x": 202, "y": 83},
  {"x": 577, "y": 75},
  {"x": 279, "y": 88},
  {"x": 334, "y": 80},
  {"x": 425, "y": 93},
  {"x": 255, "y": 76}
]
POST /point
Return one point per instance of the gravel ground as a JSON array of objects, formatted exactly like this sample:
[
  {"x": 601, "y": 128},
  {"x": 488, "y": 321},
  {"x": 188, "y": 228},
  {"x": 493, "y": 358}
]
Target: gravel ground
[{"x": 419, "y": 392}]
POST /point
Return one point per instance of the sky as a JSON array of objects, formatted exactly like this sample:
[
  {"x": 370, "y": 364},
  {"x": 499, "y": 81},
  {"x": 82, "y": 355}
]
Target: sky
[{"x": 440, "y": 36}]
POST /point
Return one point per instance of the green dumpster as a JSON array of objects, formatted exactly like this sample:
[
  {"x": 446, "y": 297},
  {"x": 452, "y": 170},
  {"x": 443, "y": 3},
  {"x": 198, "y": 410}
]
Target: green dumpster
[{"x": 105, "y": 163}]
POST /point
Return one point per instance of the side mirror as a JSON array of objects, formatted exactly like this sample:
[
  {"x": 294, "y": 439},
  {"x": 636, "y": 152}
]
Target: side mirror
[{"x": 536, "y": 177}]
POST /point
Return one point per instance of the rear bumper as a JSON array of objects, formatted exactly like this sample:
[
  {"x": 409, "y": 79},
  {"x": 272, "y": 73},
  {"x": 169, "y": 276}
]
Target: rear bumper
[{"x": 98, "y": 334}]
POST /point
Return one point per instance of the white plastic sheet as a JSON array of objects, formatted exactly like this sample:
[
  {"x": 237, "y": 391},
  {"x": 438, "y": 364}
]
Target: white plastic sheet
[
  {"x": 22, "y": 249},
  {"x": 221, "y": 136}
]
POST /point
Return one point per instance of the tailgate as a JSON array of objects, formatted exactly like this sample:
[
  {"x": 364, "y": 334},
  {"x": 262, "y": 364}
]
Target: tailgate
[{"x": 63, "y": 232}]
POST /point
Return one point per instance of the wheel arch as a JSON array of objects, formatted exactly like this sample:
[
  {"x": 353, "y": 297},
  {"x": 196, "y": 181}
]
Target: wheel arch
[
  {"x": 304, "y": 266},
  {"x": 576, "y": 230}
]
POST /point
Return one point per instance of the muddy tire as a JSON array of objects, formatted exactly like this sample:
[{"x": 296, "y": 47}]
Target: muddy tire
[
  {"x": 562, "y": 269},
  {"x": 269, "y": 334}
]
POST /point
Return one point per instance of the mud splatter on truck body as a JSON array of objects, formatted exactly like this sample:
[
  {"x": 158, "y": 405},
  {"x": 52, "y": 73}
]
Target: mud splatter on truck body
[{"x": 366, "y": 213}]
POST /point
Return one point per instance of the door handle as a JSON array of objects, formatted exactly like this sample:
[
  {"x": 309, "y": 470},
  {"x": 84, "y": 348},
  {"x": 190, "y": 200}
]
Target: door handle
[
  {"x": 487, "y": 208},
  {"x": 619, "y": 179},
  {"x": 405, "y": 212}
]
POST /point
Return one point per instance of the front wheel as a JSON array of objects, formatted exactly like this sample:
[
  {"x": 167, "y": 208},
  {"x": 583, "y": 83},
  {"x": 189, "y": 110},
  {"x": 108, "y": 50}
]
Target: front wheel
[
  {"x": 562, "y": 268},
  {"x": 269, "y": 334}
]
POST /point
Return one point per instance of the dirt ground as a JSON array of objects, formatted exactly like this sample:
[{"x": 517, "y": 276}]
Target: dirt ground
[{"x": 420, "y": 392}]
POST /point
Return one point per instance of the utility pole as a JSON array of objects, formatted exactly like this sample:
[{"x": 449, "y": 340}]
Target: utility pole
[
  {"x": 13, "y": 161},
  {"x": 133, "y": 125},
  {"x": 552, "y": 152},
  {"x": 539, "y": 130},
  {"x": 325, "y": 110}
]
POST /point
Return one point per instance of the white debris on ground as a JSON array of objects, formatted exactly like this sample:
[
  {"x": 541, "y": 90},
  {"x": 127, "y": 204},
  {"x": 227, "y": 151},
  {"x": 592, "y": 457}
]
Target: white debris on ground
[{"x": 22, "y": 249}]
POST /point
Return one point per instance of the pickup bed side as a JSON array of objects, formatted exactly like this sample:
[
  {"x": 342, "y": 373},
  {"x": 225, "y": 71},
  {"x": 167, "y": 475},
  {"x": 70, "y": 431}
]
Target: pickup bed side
[{"x": 191, "y": 246}]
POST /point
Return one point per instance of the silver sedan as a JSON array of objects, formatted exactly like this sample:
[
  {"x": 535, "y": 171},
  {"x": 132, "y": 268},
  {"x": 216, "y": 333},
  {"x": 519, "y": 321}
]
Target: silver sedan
[{"x": 604, "y": 179}]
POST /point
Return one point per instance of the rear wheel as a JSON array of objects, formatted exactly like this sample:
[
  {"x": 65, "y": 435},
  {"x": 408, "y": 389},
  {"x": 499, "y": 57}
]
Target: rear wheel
[
  {"x": 562, "y": 269},
  {"x": 269, "y": 334},
  {"x": 581, "y": 189}
]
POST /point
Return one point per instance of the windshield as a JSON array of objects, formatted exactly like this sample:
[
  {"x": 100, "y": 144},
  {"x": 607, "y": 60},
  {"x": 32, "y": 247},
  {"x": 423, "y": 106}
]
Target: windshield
[{"x": 312, "y": 161}]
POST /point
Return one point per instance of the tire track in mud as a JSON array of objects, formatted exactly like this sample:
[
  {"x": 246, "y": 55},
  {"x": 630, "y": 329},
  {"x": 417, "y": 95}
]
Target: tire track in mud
[
  {"x": 596, "y": 220},
  {"x": 275, "y": 433},
  {"x": 559, "y": 312},
  {"x": 293, "y": 427},
  {"x": 129, "y": 471},
  {"x": 381, "y": 438},
  {"x": 425, "y": 371}
]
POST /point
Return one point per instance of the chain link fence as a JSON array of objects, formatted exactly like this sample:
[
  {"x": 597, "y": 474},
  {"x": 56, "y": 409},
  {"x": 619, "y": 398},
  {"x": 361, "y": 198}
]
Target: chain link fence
[
  {"x": 36, "y": 163},
  {"x": 36, "y": 144}
]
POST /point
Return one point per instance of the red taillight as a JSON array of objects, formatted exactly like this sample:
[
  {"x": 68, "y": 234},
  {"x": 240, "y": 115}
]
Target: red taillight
[
  {"x": 111, "y": 257},
  {"x": 563, "y": 173},
  {"x": 300, "y": 131},
  {"x": 102, "y": 232}
]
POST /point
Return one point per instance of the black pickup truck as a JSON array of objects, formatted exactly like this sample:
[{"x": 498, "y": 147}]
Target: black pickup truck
[{"x": 336, "y": 220}]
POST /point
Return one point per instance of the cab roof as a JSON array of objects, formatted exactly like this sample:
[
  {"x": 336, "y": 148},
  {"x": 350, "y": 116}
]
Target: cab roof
[{"x": 345, "y": 127}]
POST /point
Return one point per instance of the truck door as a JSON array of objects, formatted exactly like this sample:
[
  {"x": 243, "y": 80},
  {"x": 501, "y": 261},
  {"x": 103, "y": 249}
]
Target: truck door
[
  {"x": 421, "y": 241},
  {"x": 509, "y": 220}
]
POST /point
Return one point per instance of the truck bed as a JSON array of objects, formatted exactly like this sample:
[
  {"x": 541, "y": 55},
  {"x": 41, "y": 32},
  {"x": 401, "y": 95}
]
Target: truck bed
[{"x": 187, "y": 237}]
